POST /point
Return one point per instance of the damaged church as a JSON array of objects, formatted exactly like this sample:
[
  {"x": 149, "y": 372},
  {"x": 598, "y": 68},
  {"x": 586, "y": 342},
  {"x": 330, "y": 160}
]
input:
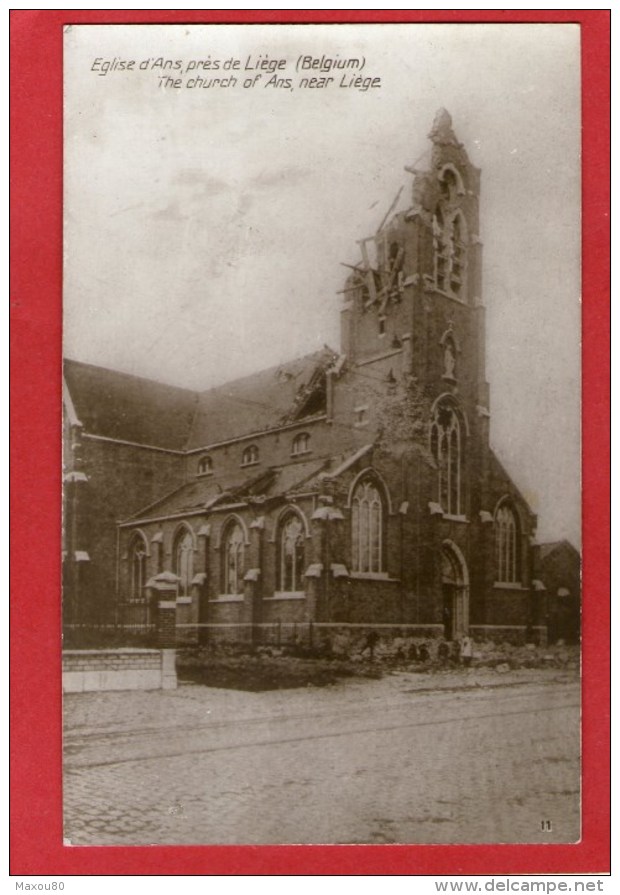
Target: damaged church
[{"x": 355, "y": 486}]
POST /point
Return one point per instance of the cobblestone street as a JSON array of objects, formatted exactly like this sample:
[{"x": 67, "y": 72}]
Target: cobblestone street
[{"x": 412, "y": 758}]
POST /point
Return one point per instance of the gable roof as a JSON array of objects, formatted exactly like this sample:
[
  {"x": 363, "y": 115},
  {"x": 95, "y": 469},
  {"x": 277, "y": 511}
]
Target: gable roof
[
  {"x": 205, "y": 493},
  {"x": 264, "y": 400},
  {"x": 499, "y": 469},
  {"x": 550, "y": 547},
  {"x": 129, "y": 408}
]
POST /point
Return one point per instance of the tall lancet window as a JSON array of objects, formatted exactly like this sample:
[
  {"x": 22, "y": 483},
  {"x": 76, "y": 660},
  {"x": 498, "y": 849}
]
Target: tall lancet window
[
  {"x": 137, "y": 559},
  {"x": 367, "y": 528},
  {"x": 458, "y": 254},
  {"x": 291, "y": 554},
  {"x": 234, "y": 553},
  {"x": 507, "y": 570},
  {"x": 446, "y": 448},
  {"x": 450, "y": 236},
  {"x": 442, "y": 249},
  {"x": 184, "y": 561}
]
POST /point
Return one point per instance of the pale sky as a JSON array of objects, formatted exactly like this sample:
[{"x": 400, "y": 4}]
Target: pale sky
[{"x": 205, "y": 228}]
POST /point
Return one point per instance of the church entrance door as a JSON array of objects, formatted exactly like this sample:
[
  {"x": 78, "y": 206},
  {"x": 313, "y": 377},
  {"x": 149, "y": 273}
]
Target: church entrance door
[{"x": 455, "y": 591}]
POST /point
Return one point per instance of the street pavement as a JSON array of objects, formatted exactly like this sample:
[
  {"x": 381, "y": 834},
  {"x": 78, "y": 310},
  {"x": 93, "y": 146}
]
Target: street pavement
[{"x": 456, "y": 757}]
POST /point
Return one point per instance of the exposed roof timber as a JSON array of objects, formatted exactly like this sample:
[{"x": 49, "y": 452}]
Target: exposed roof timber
[
  {"x": 350, "y": 461},
  {"x": 390, "y": 210},
  {"x": 354, "y": 267},
  {"x": 145, "y": 447},
  {"x": 370, "y": 277}
]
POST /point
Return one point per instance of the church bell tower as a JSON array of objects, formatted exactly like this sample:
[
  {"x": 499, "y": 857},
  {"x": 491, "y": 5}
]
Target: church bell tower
[{"x": 417, "y": 287}]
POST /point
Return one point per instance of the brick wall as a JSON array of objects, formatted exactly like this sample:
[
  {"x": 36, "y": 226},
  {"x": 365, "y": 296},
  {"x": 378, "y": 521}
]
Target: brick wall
[
  {"x": 366, "y": 600},
  {"x": 507, "y": 606},
  {"x": 275, "y": 449},
  {"x": 121, "y": 480},
  {"x": 226, "y": 613},
  {"x": 287, "y": 611}
]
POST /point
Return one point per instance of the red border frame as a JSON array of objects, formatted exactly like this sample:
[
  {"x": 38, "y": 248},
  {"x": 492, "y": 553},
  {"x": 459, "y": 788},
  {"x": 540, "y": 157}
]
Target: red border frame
[{"x": 36, "y": 267}]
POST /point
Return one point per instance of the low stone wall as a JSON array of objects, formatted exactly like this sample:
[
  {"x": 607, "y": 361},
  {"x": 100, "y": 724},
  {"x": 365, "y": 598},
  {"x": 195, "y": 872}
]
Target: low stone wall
[{"x": 118, "y": 669}]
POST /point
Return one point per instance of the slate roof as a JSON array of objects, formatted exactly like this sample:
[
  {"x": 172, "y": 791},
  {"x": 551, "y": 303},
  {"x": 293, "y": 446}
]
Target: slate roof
[
  {"x": 501, "y": 469},
  {"x": 261, "y": 401},
  {"x": 129, "y": 408},
  {"x": 205, "y": 492},
  {"x": 547, "y": 549}
]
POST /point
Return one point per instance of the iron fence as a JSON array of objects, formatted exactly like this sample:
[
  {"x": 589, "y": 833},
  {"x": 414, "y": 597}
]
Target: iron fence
[
  {"x": 132, "y": 625},
  {"x": 303, "y": 635}
]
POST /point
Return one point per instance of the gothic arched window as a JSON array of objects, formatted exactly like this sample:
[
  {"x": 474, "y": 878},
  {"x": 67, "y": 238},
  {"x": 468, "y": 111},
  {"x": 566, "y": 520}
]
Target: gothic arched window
[
  {"x": 367, "y": 528},
  {"x": 137, "y": 559},
  {"x": 449, "y": 250},
  {"x": 507, "y": 565},
  {"x": 234, "y": 551},
  {"x": 449, "y": 185},
  {"x": 441, "y": 249},
  {"x": 291, "y": 554},
  {"x": 446, "y": 448},
  {"x": 183, "y": 558},
  {"x": 457, "y": 267}
]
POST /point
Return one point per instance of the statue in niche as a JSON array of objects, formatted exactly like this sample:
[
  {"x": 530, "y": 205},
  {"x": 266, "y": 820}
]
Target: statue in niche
[{"x": 449, "y": 360}]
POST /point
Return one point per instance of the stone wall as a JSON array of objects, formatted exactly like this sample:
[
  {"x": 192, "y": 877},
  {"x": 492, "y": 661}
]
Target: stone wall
[{"x": 118, "y": 669}]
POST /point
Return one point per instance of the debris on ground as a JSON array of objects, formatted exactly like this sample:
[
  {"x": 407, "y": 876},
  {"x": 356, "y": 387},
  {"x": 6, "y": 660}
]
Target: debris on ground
[{"x": 262, "y": 668}]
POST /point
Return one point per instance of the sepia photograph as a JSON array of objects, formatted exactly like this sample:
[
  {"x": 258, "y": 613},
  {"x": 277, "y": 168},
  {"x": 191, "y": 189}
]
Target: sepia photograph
[{"x": 321, "y": 549}]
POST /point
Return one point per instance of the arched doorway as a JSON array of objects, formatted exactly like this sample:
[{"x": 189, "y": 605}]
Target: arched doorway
[{"x": 454, "y": 591}]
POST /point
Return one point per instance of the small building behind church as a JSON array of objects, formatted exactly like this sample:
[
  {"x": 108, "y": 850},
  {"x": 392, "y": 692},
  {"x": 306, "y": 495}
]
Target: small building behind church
[
  {"x": 354, "y": 486},
  {"x": 559, "y": 568}
]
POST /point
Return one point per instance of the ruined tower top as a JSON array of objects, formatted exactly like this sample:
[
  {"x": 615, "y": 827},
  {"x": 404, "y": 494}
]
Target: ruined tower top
[{"x": 441, "y": 132}]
